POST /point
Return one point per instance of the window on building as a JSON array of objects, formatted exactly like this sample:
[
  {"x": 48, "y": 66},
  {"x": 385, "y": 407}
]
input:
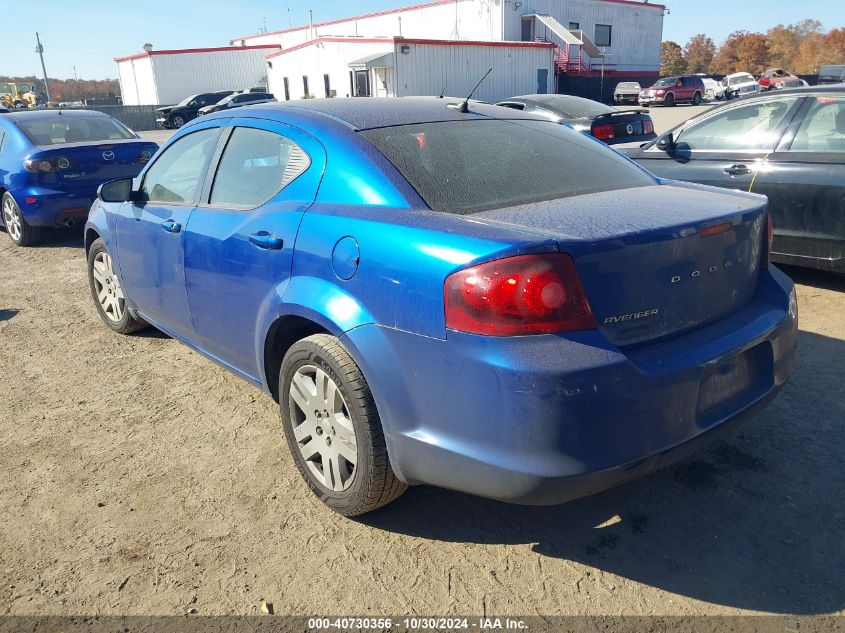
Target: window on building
[
  {"x": 305, "y": 91},
  {"x": 574, "y": 26},
  {"x": 287, "y": 88},
  {"x": 327, "y": 84},
  {"x": 602, "y": 37},
  {"x": 255, "y": 166}
]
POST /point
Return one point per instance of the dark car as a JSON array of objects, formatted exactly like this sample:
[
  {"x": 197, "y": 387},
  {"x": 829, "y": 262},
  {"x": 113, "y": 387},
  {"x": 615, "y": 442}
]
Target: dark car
[
  {"x": 174, "y": 117},
  {"x": 4, "y": 110},
  {"x": 51, "y": 163},
  {"x": 601, "y": 121},
  {"x": 786, "y": 144},
  {"x": 671, "y": 90},
  {"x": 238, "y": 99},
  {"x": 832, "y": 74}
]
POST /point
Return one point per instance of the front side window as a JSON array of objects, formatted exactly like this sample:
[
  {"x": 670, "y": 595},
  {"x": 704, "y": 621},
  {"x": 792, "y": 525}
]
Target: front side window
[
  {"x": 603, "y": 34},
  {"x": 823, "y": 128},
  {"x": 464, "y": 167},
  {"x": 58, "y": 129},
  {"x": 177, "y": 174},
  {"x": 255, "y": 166},
  {"x": 754, "y": 126}
]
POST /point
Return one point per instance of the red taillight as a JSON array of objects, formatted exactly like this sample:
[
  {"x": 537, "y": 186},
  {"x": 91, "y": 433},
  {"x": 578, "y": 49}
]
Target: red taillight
[
  {"x": 770, "y": 238},
  {"x": 527, "y": 294},
  {"x": 603, "y": 132},
  {"x": 648, "y": 127},
  {"x": 36, "y": 165}
]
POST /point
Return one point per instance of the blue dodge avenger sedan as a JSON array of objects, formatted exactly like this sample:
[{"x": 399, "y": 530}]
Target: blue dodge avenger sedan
[
  {"x": 448, "y": 293},
  {"x": 51, "y": 163}
]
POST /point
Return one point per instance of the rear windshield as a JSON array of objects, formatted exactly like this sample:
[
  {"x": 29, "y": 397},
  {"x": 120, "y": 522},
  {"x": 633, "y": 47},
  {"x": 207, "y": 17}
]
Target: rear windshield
[
  {"x": 576, "y": 107},
  {"x": 469, "y": 166},
  {"x": 59, "y": 129},
  {"x": 740, "y": 79}
]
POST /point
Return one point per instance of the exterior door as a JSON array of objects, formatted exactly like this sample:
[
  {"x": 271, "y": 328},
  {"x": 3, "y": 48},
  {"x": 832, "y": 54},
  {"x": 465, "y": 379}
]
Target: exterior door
[
  {"x": 362, "y": 83},
  {"x": 542, "y": 80},
  {"x": 239, "y": 241},
  {"x": 805, "y": 182},
  {"x": 150, "y": 231},
  {"x": 727, "y": 148}
]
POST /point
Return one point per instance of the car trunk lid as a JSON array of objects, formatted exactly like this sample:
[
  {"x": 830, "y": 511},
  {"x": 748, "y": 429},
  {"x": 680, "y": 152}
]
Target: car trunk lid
[
  {"x": 89, "y": 164},
  {"x": 654, "y": 261}
]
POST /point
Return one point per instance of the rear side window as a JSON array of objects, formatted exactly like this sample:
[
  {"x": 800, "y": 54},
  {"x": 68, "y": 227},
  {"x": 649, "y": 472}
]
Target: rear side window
[
  {"x": 464, "y": 167},
  {"x": 823, "y": 128},
  {"x": 754, "y": 126},
  {"x": 58, "y": 129},
  {"x": 256, "y": 165}
]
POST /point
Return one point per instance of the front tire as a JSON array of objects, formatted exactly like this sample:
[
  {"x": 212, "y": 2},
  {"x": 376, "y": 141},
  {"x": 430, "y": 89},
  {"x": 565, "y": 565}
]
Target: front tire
[
  {"x": 669, "y": 101},
  {"x": 333, "y": 428},
  {"x": 107, "y": 292},
  {"x": 177, "y": 121},
  {"x": 21, "y": 233}
]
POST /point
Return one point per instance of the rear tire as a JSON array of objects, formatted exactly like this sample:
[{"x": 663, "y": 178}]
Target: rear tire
[
  {"x": 669, "y": 101},
  {"x": 107, "y": 292},
  {"x": 330, "y": 419},
  {"x": 696, "y": 99},
  {"x": 21, "y": 233}
]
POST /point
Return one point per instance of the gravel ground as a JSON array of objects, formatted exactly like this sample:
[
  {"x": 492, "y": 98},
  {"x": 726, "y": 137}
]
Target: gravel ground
[{"x": 140, "y": 478}]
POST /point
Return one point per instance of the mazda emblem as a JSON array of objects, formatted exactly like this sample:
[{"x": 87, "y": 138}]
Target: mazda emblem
[
  {"x": 108, "y": 155},
  {"x": 629, "y": 128}
]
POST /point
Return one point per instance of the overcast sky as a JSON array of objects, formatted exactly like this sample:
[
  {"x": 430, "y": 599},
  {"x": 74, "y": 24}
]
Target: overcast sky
[{"x": 88, "y": 34}]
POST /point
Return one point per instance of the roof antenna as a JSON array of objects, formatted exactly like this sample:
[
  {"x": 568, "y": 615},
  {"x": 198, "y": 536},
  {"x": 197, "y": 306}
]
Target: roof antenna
[
  {"x": 443, "y": 92},
  {"x": 464, "y": 107}
]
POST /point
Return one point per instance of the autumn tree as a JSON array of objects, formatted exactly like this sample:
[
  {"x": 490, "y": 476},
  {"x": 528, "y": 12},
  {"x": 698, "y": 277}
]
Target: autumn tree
[
  {"x": 672, "y": 59},
  {"x": 817, "y": 50},
  {"x": 785, "y": 42},
  {"x": 699, "y": 53},
  {"x": 742, "y": 51}
]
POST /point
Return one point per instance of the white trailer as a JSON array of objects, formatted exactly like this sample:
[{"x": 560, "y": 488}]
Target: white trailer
[
  {"x": 400, "y": 67},
  {"x": 168, "y": 76}
]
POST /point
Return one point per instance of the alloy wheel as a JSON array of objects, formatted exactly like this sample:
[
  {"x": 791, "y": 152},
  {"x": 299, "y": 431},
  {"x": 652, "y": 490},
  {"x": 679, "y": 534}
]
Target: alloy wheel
[
  {"x": 12, "y": 219},
  {"x": 109, "y": 293},
  {"x": 178, "y": 121},
  {"x": 323, "y": 428}
]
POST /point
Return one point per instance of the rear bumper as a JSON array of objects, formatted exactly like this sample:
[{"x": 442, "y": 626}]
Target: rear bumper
[
  {"x": 53, "y": 208},
  {"x": 547, "y": 419}
]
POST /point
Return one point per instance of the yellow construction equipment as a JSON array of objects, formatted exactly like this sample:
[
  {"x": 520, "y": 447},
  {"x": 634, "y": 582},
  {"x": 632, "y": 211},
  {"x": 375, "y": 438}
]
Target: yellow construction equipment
[{"x": 18, "y": 95}]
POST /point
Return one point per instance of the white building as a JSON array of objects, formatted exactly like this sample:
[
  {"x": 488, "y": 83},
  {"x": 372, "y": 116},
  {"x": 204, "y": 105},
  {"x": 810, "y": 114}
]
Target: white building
[
  {"x": 398, "y": 67},
  {"x": 168, "y": 76},
  {"x": 623, "y": 35},
  {"x": 422, "y": 49}
]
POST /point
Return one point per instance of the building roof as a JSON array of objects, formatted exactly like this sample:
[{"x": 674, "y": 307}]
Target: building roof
[
  {"x": 361, "y": 113},
  {"x": 186, "y": 51},
  {"x": 402, "y": 40},
  {"x": 376, "y": 60},
  {"x": 432, "y": 3}
]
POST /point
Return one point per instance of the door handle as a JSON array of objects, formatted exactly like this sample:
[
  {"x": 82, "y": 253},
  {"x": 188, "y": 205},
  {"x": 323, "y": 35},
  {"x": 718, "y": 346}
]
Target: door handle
[
  {"x": 737, "y": 170},
  {"x": 171, "y": 227},
  {"x": 265, "y": 240}
]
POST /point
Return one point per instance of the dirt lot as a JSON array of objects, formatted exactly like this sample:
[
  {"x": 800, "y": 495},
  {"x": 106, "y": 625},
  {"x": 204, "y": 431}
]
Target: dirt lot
[{"x": 139, "y": 478}]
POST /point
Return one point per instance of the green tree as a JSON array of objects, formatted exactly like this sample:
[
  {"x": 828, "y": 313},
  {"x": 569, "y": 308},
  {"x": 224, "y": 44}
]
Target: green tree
[
  {"x": 699, "y": 53},
  {"x": 672, "y": 59}
]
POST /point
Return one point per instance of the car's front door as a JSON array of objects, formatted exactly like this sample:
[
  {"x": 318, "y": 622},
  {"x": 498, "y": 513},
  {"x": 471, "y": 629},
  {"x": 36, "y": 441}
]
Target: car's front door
[
  {"x": 726, "y": 148},
  {"x": 805, "y": 182},
  {"x": 150, "y": 229},
  {"x": 239, "y": 241}
]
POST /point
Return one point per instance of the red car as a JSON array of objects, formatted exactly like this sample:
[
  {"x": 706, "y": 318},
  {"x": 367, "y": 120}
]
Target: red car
[
  {"x": 671, "y": 90},
  {"x": 777, "y": 78}
]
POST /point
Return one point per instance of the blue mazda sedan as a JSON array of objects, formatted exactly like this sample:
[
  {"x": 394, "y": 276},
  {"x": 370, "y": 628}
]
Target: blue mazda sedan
[
  {"x": 455, "y": 295},
  {"x": 51, "y": 163}
]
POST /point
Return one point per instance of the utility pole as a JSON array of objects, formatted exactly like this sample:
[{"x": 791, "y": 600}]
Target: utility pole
[{"x": 40, "y": 50}]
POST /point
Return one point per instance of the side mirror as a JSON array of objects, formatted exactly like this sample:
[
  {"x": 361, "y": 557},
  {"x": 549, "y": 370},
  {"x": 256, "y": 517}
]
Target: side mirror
[
  {"x": 115, "y": 190},
  {"x": 666, "y": 143}
]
